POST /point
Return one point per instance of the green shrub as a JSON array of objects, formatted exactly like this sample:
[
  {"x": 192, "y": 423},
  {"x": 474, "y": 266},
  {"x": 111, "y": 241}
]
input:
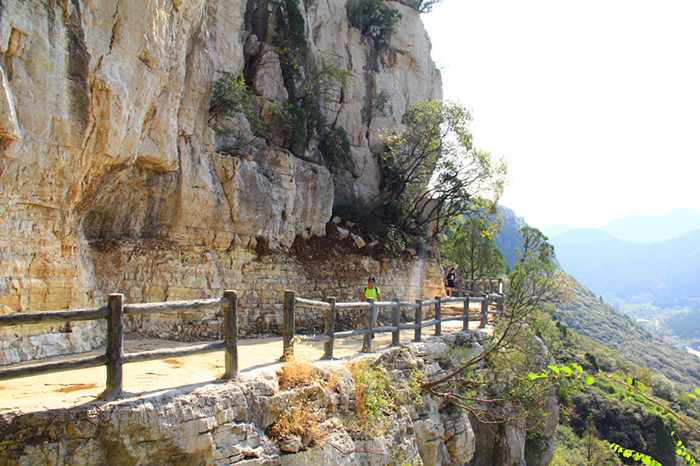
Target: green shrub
[
  {"x": 335, "y": 147},
  {"x": 295, "y": 127},
  {"x": 290, "y": 36},
  {"x": 230, "y": 95},
  {"x": 379, "y": 106},
  {"x": 375, "y": 19}
]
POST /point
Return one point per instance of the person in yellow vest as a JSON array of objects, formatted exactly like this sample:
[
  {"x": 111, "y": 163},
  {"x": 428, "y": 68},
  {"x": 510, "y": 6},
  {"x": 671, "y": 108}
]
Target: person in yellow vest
[{"x": 371, "y": 291}]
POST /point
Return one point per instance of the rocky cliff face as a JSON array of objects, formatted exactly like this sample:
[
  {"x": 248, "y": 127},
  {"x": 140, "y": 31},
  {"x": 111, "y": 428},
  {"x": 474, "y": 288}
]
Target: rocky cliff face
[
  {"x": 114, "y": 171},
  {"x": 328, "y": 413}
]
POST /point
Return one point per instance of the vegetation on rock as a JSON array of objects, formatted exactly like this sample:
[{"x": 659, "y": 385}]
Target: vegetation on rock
[
  {"x": 470, "y": 246},
  {"x": 375, "y": 19}
]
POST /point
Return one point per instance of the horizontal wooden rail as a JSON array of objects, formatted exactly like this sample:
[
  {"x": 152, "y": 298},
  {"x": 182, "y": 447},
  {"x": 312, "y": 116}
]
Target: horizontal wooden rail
[
  {"x": 29, "y": 318},
  {"x": 196, "y": 305},
  {"x": 114, "y": 357},
  {"x": 370, "y": 310}
]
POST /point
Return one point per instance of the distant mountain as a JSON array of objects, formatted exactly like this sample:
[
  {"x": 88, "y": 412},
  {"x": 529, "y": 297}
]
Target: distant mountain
[
  {"x": 672, "y": 268},
  {"x": 666, "y": 274},
  {"x": 509, "y": 239},
  {"x": 654, "y": 228}
]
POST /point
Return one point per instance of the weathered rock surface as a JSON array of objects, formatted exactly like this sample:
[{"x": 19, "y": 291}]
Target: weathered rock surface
[
  {"x": 116, "y": 178},
  {"x": 260, "y": 421}
]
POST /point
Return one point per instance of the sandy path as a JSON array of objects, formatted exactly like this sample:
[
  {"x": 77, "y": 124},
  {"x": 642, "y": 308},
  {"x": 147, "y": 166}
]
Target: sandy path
[{"x": 76, "y": 387}]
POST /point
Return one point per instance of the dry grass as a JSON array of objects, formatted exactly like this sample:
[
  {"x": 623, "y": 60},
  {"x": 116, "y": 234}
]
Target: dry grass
[
  {"x": 298, "y": 421},
  {"x": 296, "y": 372}
]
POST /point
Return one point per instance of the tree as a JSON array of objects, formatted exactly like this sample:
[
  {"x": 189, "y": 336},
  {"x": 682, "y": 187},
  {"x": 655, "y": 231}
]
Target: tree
[
  {"x": 503, "y": 392},
  {"x": 471, "y": 247},
  {"x": 432, "y": 173}
]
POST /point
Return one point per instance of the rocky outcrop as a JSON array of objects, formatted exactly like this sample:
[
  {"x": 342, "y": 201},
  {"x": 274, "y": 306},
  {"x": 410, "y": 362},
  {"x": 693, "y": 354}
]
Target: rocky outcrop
[
  {"x": 275, "y": 417},
  {"x": 114, "y": 172}
]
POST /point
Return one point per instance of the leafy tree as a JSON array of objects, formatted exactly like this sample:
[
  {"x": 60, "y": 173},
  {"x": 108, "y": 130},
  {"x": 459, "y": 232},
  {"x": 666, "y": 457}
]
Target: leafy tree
[
  {"x": 433, "y": 173},
  {"x": 470, "y": 245},
  {"x": 502, "y": 393}
]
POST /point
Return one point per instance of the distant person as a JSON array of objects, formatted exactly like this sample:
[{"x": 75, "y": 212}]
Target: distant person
[
  {"x": 450, "y": 282},
  {"x": 371, "y": 291}
]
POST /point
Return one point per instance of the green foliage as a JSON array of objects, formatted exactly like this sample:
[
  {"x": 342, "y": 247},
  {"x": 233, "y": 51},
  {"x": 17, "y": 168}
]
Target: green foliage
[
  {"x": 375, "y": 19},
  {"x": 290, "y": 37},
  {"x": 230, "y": 96},
  {"x": 682, "y": 451},
  {"x": 584, "y": 450},
  {"x": 378, "y": 106},
  {"x": 295, "y": 127},
  {"x": 641, "y": 397},
  {"x": 335, "y": 148},
  {"x": 471, "y": 247},
  {"x": 380, "y": 394},
  {"x": 635, "y": 455},
  {"x": 432, "y": 170},
  {"x": 536, "y": 278}
]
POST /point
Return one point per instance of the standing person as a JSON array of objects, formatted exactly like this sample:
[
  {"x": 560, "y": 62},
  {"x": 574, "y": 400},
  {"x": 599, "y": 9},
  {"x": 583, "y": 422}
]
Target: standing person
[
  {"x": 450, "y": 281},
  {"x": 371, "y": 291}
]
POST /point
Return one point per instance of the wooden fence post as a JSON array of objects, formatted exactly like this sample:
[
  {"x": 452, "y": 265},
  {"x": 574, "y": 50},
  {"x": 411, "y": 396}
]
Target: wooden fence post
[
  {"x": 114, "y": 346},
  {"x": 484, "y": 312},
  {"x": 465, "y": 325},
  {"x": 438, "y": 316},
  {"x": 418, "y": 320},
  {"x": 369, "y": 319},
  {"x": 329, "y": 329},
  {"x": 288, "y": 326},
  {"x": 231, "y": 335},
  {"x": 395, "y": 322}
]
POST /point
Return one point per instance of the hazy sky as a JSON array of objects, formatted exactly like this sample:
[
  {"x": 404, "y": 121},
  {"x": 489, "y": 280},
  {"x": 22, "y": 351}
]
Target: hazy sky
[{"x": 594, "y": 105}]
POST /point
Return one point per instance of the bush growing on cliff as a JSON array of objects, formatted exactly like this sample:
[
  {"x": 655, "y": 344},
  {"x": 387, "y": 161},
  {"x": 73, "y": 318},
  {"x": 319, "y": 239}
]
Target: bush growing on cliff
[
  {"x": 335, "y": 147},
  {"x": 290, "y": 37},
  {"x": 231, "y": 95},
  {"x": 375, "y": 19}
]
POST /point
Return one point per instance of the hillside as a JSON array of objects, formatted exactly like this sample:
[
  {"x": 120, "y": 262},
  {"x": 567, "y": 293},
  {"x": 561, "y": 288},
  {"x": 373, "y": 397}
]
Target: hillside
[{"x": 594, "y": 319}]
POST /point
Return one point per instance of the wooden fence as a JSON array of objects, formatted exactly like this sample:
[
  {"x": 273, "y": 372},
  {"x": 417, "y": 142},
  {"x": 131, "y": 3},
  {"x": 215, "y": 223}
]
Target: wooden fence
[
  {"x": 114, "y": 357},
  {"x": 370, "y": 310},
  {"x": 465, "y": 287}
]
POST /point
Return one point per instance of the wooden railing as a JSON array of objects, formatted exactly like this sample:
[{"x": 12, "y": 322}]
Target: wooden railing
[
  {"x": 465, "y": 287},
  {"x": 370, "y": 309},
  {"x": 114, "y": 357}
]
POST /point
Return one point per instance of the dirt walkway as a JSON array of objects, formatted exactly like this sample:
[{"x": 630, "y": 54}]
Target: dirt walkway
[{"x": 76, "y": 387}]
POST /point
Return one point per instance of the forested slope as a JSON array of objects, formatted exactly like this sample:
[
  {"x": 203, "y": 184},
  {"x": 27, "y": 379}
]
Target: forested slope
[{"x": 592, "y": 318}]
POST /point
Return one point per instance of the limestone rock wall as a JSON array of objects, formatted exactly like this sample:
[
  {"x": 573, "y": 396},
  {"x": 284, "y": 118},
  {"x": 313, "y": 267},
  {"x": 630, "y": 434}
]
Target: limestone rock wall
[
  {"x": 249, "y": 422},
  {"x": 115, "y": 177}
]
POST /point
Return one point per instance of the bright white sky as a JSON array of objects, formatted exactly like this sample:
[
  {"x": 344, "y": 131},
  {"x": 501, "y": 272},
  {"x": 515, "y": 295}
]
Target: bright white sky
[{"x": 595, "y": 104}]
